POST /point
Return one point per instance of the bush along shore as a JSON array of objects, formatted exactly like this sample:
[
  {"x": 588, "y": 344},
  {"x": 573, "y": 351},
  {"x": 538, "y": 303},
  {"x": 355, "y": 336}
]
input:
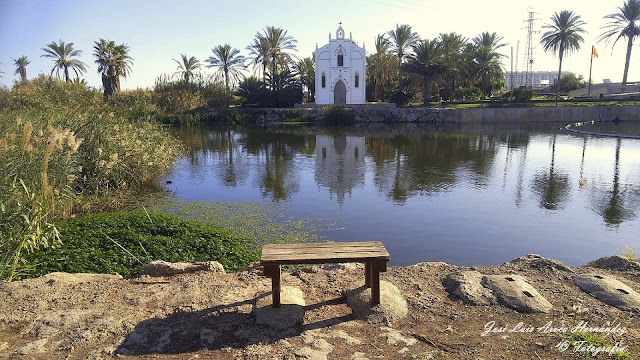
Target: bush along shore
[{"x": 64, "y": 150}]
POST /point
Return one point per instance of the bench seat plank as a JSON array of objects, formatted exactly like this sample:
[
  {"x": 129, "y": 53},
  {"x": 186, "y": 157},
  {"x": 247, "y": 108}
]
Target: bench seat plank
[{"x": 273, "y": 254}]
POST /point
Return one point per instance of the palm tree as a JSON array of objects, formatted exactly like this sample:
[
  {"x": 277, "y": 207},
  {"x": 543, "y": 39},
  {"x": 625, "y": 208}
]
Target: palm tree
[
  {"x": 625, "y": 23},
  {"x": 307, "y": 74},
  {"x": 249, "y": 88},
  {"x": 488, "y": 66},
  {"x": 452, "y": 46},
  {"x": 228, "y": 61},
  {"x": 186, "y": 69},
  {"x": 425, "y": 63},
  {"x": 259, "y": 52},
  {"x": 63, "y": 56},
  {"x": 21, "y": 67},
  {"x": 563, "y": 37},
  {"x": 279, "y": 42},
  {"x": 490, "y": 40},
  {"x": 487, "y": 58},
  {"x": 113, "y": 62},
  {"x": 402, "y": 38},
  {"x": 381, "y": 66}
]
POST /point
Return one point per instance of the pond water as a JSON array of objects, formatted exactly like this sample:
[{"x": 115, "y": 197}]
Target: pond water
[{"x": 466, "y": 195}]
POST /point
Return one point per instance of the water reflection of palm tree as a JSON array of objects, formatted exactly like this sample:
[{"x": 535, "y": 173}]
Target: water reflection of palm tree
[
  {"x": 277, "y": 177},
  {"x": 615, "y": 213},
  {"x": 614, "y": 209},
  {"x": 428, "y": 164},
  {"x": 552, "y": 187}
]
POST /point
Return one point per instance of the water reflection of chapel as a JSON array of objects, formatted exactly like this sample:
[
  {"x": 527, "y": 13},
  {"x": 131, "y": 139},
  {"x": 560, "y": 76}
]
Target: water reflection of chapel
[
  {"x": 340, "y": 163},
  {"x": 340, "y": 71}
]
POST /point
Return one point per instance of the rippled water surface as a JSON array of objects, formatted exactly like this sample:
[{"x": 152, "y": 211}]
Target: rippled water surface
[{"x": 469, "y": 196}]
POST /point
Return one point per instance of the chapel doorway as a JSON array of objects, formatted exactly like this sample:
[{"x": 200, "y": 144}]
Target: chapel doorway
[{"x": 340, "y": 93}]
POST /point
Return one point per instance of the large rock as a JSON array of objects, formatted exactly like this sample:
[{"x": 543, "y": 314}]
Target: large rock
[
  {"x": 289, "y": 314},
  {"x": 467, "y": 285},
  {"x": 392, "y": 307},
  {"x": 163, "y": 268},
  {"x": 609, "y": 291},
  {"x": 515, "y": 292},
  {"x": 615, "y": 262},
  {"x": 411, "y": 117}
]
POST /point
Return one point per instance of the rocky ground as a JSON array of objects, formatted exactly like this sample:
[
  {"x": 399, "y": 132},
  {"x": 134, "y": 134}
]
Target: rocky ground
[{"x": 524, "y": 309}]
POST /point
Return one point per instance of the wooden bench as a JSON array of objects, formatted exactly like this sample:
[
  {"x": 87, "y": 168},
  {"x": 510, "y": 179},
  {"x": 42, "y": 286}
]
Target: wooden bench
[{"x": 372, "y": 253}]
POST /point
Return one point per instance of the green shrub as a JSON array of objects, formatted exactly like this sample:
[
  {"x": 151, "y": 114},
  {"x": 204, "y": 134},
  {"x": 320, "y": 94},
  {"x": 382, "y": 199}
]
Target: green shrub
[
  {"x": 401, "y": 97},
  {"x": 25, "y": 227},
  {"x": 121, "y": 242},
  {"x": 468, "y": 93},
  {"x": 522, "y": 94},
  {"x": 337, "y": 115},
  {"x": 63, "y": 140}
]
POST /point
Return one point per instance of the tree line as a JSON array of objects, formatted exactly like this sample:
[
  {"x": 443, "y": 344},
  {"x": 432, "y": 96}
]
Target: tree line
[{"x": 403, "y": 66}]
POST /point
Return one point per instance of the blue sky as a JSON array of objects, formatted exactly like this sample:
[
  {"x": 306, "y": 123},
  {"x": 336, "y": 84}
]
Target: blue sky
[{"x": 159, "y": 31}]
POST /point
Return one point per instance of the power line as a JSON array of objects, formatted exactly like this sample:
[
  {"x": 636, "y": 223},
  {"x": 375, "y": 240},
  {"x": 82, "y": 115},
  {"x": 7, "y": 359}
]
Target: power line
[
  {"x": 416, "y": 4},
  {"x": 401, "y": 6},
  {"x": 382, "y": 3}
]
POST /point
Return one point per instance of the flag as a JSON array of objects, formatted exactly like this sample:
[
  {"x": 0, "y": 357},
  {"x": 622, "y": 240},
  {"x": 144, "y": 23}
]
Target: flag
[{"x": 594, "y": 52}]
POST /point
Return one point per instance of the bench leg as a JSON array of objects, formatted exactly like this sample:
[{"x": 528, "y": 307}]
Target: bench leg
[
  {"x": 367, "y": 273},
  {"x": 275, "y": 285},
  {"x": 375, "y": 283}
]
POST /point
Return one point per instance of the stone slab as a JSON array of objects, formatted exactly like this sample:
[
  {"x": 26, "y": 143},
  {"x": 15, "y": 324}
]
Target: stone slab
[
  {"x": 515, "y": 292},
  {"x": 467, "y": 285},
  {"x": 289, "y": 314},
  {"x": 392, "y": 307},
  {"x": 609, "y": 290}
]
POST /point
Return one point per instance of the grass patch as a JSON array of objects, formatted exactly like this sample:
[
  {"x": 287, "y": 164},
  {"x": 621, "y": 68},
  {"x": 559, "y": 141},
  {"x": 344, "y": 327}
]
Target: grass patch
[
  {"x": 592, "y": 344},
  {"x": 120, "y": 242}
]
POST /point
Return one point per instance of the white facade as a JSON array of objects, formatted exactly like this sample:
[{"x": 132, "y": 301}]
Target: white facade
[{"x": 340, "y": 71}]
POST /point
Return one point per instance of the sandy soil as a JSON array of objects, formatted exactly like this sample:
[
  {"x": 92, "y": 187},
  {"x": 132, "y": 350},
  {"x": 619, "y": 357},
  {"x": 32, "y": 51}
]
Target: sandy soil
[{"x": 210, "y": 315}]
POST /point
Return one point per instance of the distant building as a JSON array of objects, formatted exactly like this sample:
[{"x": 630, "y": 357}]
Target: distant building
[
  {"x": 340, "y": 71},
  {"x": 607, "y": 90},
  {"x": 539, "y": 79}
]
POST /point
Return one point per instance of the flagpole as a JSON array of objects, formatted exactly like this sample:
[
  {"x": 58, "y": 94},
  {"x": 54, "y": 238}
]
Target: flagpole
[{"x": 590, "y": 67}]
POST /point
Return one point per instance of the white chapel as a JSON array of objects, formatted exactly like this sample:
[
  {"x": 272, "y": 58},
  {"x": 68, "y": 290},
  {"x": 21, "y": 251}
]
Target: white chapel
[{"x": 340, "y": 71}]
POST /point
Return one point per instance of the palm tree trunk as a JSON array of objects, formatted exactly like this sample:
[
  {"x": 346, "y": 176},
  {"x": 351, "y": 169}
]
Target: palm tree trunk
[
  {"x": 558, "y": 78},
  {"x": 264, "y": 72},
  {"x": 273, "y": 79},
  {"x": 426, "y": 90},
  {"x": 626, "y": 64},
  {"x": 226, "y": 79},
  {"x": 66, "y": 74}
]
